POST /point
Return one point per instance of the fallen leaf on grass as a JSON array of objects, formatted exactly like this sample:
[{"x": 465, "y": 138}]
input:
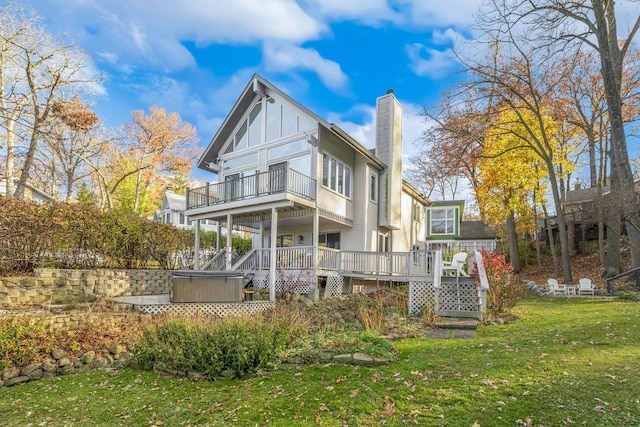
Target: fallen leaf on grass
[{"x": 389, "y": 406}]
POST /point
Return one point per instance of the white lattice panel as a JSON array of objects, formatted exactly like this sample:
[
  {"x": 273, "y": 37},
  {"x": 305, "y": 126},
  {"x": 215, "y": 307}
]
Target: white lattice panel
[
  {"x": 347, "y": 284},
  {"x": 419, "y": 294},
  {"x": 459, "y": 297},
  {"x": 261, "y": 282},
  {"x": 334, "y": 286},
  {"x": 295, "y": 281},
  {"x": 208, "y": 309}
]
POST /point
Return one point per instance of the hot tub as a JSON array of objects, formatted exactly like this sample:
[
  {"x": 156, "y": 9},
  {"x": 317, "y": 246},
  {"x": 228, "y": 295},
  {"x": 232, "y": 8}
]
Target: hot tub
[{"x": 207, "y": 286}]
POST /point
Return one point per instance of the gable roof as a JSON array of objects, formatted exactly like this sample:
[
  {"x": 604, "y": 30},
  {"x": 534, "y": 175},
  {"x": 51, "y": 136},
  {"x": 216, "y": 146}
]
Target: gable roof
[
  {"x": 35, "y": 193},
  {"x": 174, "y": 202},
  {"x": 475, "y": 230},
  {"x": 415, "y": 193},
  {"x": 257, "y": 85}
]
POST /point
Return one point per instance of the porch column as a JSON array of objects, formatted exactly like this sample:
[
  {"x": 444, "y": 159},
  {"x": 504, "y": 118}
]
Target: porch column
[
  {"x": 228, "y": 247},
  {"x": 196, "y": 253},
  {"x": 272, "y": 255},
  {"x": 314, "y": 242},
  {"x": 261, "y": 246},
  {"x": 218, "y": 236}
]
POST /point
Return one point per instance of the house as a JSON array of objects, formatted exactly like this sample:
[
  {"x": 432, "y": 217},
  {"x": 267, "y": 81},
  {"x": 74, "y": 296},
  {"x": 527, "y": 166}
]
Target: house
[
  {"x": 173, "y": 212},
  {"x": 585, "y": 209},
  {"x": 30, "y": 192},
  {"x": 447, "y": 230},
  {"x": 323, "y": 209}
]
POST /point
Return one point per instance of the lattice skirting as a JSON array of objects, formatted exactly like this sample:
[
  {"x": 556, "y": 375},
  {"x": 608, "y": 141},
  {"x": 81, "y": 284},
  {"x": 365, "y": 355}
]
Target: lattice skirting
[
  {"x": 291, "y": 281},
  {"x": 421, "y": 293},
  {"x": 334, "y": 285},
  {"x": 459, "y": 297},
  {"x": 208, "y": 309}
]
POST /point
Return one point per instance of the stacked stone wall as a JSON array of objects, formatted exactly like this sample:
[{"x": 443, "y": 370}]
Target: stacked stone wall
[{"x": 48, "y": 286}]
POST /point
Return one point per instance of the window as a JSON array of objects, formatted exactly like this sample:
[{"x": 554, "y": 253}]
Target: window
[
  {"x": 373, "y": 188},
  {"x": 329, "y": 240},
  {"x": 383, "y": 243},
  {"x": 443, "y": 221},
  {"x": 416, "y": 212},
  {"x": 255, "y": 125},
  {"x": 282, "y": 122},
  {"x": 167, "y": 218},
  {"x": 284, "y": 241},
  {"x": 288, "y": 149},
  {"x": 336, "y": 176},
  {"x": 181, "y": 218}
]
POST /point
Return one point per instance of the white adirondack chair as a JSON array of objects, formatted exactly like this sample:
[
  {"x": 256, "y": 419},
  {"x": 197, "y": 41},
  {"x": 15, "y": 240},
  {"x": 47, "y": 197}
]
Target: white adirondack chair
[
  {"x": 585, "y": 287},
  {"x": 456, "y": 265},
  {"x": 556, "y": 288}
]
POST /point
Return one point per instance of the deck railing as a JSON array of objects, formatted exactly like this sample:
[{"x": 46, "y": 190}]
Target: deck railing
[
  {"x": 248, "y": 187},
  {"x": 328, "y": 259},
  {"x": 395, "y": 264},
  {"x": 217, "y": 262}
]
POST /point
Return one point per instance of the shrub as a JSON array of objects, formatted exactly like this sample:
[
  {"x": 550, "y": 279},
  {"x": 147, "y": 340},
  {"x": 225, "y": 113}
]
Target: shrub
[
  {"x": 71, "y": 235},
  {"x": 241, "y": 345},
  {"x": 21, "y": 339},
  {"x": 504, "y": 290}
]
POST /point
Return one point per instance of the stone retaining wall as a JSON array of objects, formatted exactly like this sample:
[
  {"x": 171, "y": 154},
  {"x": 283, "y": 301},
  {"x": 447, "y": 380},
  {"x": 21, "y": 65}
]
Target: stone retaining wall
[
  {"x": 74, "y": 321},
  {"x": 59, "y": 363},
  {"x": 48, "y": 285}
]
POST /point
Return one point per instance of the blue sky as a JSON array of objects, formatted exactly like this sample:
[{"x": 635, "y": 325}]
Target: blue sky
[{"x": 334, "y": 56}]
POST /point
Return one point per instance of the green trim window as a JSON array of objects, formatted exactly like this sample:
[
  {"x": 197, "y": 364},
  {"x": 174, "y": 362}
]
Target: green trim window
[{"x": 443, "y": 221}]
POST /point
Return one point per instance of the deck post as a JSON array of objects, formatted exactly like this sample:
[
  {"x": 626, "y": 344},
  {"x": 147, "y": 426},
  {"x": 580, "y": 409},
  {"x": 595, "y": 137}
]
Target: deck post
[
  {"x": 272, "y": 255},
  {"x": 229, "y": 241},
  {"x": 314, "y": 242},
  {"x": 218, "y": 236},
  {"x": 196, "y": 253}
]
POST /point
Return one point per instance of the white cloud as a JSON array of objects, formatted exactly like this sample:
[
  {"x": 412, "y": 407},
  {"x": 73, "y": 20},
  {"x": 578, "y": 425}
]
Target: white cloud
[
  {"x": 285, "y": 57},
  {"x": 459, "y": 13},
  {"x": 369, "y": 12},
  {"x": 427, "y": 61},
  {"x": 413, "y": 124},
  {"x": 448, "y": 36}
]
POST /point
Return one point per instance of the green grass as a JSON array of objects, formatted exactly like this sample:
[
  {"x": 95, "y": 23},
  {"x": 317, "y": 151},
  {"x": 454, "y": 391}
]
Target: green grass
[{"x": 567, "y": 361}]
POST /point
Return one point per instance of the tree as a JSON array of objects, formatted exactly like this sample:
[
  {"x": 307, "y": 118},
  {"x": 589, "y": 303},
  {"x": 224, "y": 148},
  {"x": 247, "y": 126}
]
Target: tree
[
  {"x": 86, "y": 197},
  {"x": 451, "y": 147},
  {"x": 134, "y": 158},
  {"x": 510, "y": 173},
  {"x": 511, "y": 76},
  {"x": 561, "y": 26},
  {"x": 68, "y": 140},
  {"x": 35, "y": 68}
]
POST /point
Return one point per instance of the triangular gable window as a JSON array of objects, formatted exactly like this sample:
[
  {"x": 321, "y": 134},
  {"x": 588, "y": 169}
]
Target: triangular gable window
[{"x": 280, "y": 122}]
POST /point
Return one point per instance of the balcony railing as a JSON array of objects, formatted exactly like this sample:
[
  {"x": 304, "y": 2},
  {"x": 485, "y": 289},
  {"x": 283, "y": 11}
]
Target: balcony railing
[{"x": 283, "y": 180}]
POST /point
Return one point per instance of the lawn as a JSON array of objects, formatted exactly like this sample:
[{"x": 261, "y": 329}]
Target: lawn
[{"x": 567, "y": 361}]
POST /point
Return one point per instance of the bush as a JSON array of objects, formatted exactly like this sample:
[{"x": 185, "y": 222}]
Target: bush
[
  {"x": 70, "y": 235},
  {"x": 21, "y": 339},
  {"x": 241, "y": 345},
  {"x": 504, "y": 290}
]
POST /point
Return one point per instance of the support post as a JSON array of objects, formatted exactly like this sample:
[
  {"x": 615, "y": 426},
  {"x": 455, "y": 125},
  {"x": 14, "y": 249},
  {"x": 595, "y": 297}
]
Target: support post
[
  {"x": 228, "y": 246},
  {"x": 196, "y": 250},
  {"x": 218, "y": 236},
  {"x": 272, "y": 255}
]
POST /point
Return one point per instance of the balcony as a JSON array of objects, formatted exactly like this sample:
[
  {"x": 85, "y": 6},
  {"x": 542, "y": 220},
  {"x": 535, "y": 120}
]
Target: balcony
[{"x": 277, "y": 181}]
